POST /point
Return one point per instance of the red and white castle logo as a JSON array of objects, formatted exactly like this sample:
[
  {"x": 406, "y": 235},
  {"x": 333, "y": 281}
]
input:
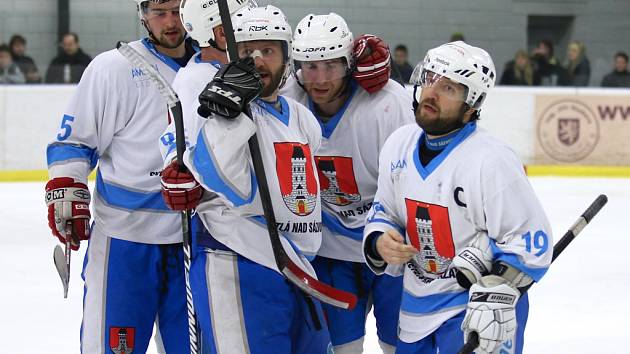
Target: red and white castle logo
[{"x": 296, "y": 176}]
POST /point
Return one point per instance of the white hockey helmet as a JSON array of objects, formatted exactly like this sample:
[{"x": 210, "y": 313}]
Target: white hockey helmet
[
  {"x": 462, "y": 63},
  {"x": 200, "y": 17},
  {"x": 139, "y": 5},
  {"x": 322, "y": 37},
  {"x": 265, "y": 24}
]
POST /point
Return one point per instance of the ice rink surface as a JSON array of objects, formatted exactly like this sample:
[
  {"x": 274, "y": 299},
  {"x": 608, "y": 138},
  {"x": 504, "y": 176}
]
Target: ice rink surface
[{"x": 580, "y": 306}]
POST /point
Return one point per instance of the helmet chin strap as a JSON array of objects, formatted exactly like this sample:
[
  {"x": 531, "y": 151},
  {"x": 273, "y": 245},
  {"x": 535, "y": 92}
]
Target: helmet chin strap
[
  {"x": 214, "y": 45},
  {"x": 152, "y": 38}
]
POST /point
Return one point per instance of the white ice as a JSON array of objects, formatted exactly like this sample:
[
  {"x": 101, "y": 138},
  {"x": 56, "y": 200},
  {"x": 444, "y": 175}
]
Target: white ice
[{"x": 580, "y": 306}]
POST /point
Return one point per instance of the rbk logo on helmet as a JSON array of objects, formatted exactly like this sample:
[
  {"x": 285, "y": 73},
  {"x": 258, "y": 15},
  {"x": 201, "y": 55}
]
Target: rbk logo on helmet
[{"x": 257, "y": 28}]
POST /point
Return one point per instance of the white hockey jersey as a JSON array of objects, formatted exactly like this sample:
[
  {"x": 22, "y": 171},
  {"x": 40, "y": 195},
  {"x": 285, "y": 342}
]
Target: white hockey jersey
[
  {"x": 115, "y": 118},
  {"x": 477, "y": 184},
  {"x": 188, "y": 84},
  {"x": 231, "y": 210},
  {"x": 347, "y": 161}
]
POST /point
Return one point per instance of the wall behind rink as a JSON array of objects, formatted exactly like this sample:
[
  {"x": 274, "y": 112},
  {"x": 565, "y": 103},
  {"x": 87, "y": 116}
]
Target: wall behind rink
[
  {"x": 499, "y": 26},
  {"x": 548, "y": 126}
]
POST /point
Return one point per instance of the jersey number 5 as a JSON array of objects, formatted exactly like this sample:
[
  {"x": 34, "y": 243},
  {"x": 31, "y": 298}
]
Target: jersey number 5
[{"x": 65, "y": 125}]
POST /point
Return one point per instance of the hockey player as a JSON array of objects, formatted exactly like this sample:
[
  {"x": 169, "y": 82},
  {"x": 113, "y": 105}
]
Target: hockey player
[
  {"x": 133, "y": 268},
  {"x": 202, "y": 21},
  {"x": 449, "y": 194},
  {"x": 357, "y": 109},
  {"x": 244, "y": 303}
]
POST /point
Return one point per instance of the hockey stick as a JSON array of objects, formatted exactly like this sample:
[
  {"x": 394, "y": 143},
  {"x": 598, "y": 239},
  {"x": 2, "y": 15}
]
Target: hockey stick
[
  {"x": 175, "y": 107},
  {"x": 291, "y": 271},
  {"x": 473, "y": 338},
  {"x": 62, "y": 260}
]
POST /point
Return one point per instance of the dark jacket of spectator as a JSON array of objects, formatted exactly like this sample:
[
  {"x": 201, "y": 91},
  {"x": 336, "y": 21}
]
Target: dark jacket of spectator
[
  {"x": 77, "y": 63},
  {"x": 579, "y": 68},
  {"x": 27, "y": 66},
  {"x": 520, "y": 71},
  {"x": 17, "y": 45},
  {"x": 401, "y": 69},
  {"x": 619, "y": 77},
  {"x": 546, "y": 66},
  {"x": 402, "y": 72}
]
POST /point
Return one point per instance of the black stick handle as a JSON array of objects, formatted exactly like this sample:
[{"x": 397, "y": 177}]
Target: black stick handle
[
  {"x": 472, "y": 342},
  {"x": 254, "y": 149}
]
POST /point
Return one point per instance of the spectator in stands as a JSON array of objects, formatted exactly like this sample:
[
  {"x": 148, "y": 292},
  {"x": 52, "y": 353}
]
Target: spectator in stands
[
  {"x": 619, "y": 77},
  {"x": 520, "y": 71},
  {"x": 17, "y": 45},
  {"x": 68, "y": 66},
  {"x": 9, "y": 72},
  {"x": 401, "y": 67},
  {"x": 546, "y": 66},
  {"x": 457, "y": 36},
  {"x": 578, "y": 66}
]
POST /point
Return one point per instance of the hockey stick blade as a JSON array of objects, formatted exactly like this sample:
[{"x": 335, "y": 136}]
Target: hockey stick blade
[
  {"x": 321, "y": 291},
  {"x": 472, "y": 342},
  {"x": 60, "y": 263},
  {"x": 290, "y": 270}
]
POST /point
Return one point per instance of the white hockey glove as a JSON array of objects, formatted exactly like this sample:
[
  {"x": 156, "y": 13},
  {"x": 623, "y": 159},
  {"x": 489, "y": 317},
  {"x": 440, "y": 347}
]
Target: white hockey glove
[
  {"x": 474, "y": 261},
  {"x": 491, "y": 312}
]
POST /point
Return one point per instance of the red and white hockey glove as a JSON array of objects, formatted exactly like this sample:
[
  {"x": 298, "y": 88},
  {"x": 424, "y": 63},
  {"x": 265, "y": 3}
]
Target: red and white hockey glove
[
  {"x": 180, "y": 190},
  {"x": 372, "y": 57},
  {"x": 68, "y": 201}
]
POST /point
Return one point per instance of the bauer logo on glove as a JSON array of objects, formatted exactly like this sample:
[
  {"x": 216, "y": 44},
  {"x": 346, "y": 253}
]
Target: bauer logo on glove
[{"x": 497, "y": 298}]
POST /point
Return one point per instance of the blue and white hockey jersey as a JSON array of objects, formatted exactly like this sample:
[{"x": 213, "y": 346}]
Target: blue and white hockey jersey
[
  {"x": 347, "y": 161},
  {"x": 115, "y": 118},
  {"x": 477, "y": 184},
  {"x": 231, "y": 210},
  {"x": 188, "y": 84}
]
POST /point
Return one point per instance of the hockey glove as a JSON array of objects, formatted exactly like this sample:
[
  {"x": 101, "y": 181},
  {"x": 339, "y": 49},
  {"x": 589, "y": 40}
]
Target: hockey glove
[
  {"x": 67, "y": 201},
  {"x": 491, "y": 312},
  {"x": 372, "y": 57},
  {"x": 474, "y": 261},
  {"x": 180, "y": 190},
  {"x": 232, "y": 89}
]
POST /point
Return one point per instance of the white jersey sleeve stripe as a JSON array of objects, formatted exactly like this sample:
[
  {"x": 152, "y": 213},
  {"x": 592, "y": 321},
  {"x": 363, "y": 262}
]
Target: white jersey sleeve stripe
[
  {"x": 58, "y": 153},
  {"x": 516, "y": 262},
  {"x": 432, "y": 303},
  {"x": 204, "y": 164},
  {"x": 123, "y": 198}
]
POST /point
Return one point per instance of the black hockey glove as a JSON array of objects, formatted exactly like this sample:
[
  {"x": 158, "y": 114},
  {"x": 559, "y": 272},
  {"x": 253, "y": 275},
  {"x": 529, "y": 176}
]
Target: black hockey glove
[{"x": 232, "y": 89}]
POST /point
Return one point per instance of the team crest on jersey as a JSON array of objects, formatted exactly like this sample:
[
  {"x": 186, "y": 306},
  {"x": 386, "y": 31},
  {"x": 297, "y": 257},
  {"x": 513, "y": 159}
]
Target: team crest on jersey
[
  {"x": 336, "y": 180},
  {"x": 296, "y": 176},
  {"x": 121, "y": 339},
  {"x": 429, "y": 231}
]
